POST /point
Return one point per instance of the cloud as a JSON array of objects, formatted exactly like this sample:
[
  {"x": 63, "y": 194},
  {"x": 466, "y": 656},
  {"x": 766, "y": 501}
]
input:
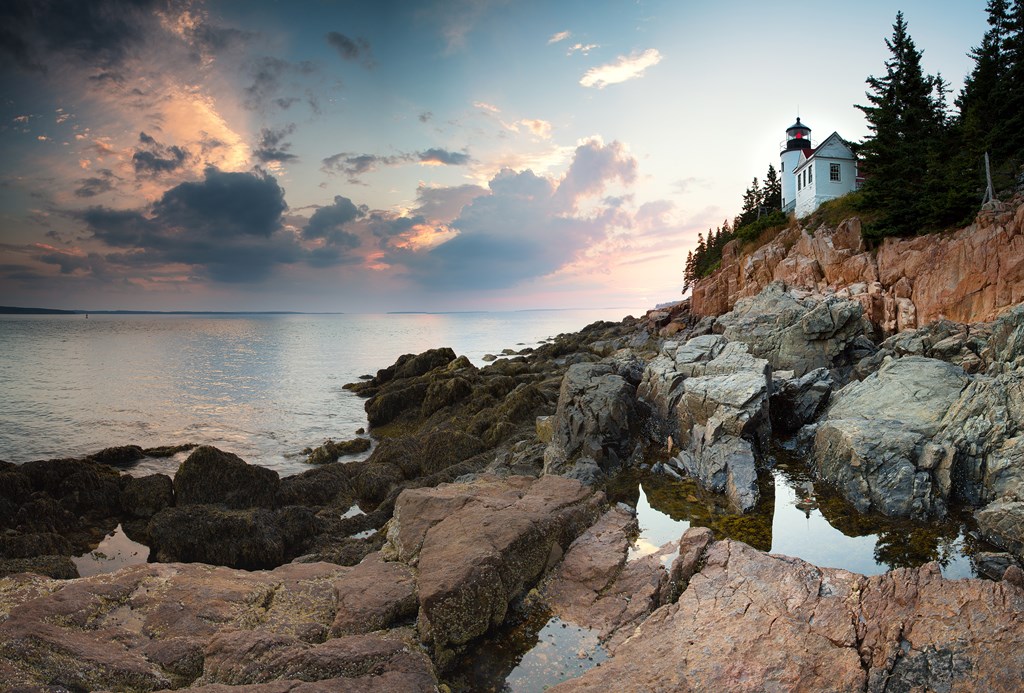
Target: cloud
[
  {"x": 443, "y": 204},
  {"x": 583, "y": 48},
  {"x": 484, "y": 106},
  {"x": 525, "y": 227},
  {"x": 351, "y": 49},
  {"x": 328, "y": 222},
  {"x": 91, "y": 187},
  {"x": 227, "y": 227},
  {"x": 560, "y": 36},
  {"x": 269, "y": 75},
  {"x": 100, "y": 33},
  {"x": 271, "y": 145},
  {"x": 425, "y": 116},
  {"x": 540, "y": 128},
  {"x": 442, "y": 157},
  {"x": 356, "y": 165},
  {"x": 153, "y": 158},
  {"x": 622, "y": 70}
]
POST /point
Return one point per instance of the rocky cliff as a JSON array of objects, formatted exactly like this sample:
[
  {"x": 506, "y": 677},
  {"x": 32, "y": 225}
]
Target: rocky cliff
[{"x": 971, "y": 275}]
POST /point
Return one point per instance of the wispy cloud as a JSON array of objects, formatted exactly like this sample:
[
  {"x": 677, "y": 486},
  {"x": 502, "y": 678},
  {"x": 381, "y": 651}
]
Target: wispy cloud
[
  {"x": 583, "y": 48},
  {"x": 560, "y": 36},
  {"x": 540, "y": 128},
  {"x": 622, "y": 70}
]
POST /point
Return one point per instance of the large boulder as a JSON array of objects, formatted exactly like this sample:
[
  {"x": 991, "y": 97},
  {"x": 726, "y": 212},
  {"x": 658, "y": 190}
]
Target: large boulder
[
  {"x": 872, "y": 442},
  {"x": 793, "y": 334},
  {"x": 210, "y": 476},
  {"x": 596, "y": 422},
  {"x": 750, "y": 621},
  {"x": 479, "y": 545}
]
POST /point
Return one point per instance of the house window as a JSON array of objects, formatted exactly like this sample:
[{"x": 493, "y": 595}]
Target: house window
[
  {"x": 783, "y": 166},
  {"x": 834, "y": 174},
  {"x": 810, "y": 174}
]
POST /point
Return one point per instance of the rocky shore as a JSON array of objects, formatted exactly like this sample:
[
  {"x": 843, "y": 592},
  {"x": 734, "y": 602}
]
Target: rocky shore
[{"x": 489, "y": 491}]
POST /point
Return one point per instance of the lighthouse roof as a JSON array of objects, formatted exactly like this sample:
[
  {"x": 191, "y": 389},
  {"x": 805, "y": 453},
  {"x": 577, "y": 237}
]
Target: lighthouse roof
[{"x": 798, "y": 124}]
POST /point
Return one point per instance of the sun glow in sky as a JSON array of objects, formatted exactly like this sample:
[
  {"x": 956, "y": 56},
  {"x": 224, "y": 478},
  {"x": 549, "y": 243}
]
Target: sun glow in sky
[{"x": 448, "y": 155}]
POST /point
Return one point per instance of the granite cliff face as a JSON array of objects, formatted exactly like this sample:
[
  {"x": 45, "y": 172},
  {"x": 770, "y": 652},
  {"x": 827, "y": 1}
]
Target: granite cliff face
[{"x": 967, "y": 276}]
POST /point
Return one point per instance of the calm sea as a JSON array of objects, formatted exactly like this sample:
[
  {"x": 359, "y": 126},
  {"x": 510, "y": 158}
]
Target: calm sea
[{"x": 261, "y": 386}]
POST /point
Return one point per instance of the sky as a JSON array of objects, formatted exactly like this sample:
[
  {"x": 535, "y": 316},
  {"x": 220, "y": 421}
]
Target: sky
[{"x": 381, "y": 156}]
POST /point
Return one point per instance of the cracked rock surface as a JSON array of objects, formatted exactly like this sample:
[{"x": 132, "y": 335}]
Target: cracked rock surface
[{"x": 750, "y": 621}]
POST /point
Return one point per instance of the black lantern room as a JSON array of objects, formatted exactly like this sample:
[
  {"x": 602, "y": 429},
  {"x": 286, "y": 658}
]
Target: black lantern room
[{"x": 798, "y": 136}]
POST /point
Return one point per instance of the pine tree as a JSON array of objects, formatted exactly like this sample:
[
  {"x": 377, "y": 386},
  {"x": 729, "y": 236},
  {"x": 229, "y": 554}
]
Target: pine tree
[
  {"x": 771, "y": 198},
  {"x": 907, "y": 120}
]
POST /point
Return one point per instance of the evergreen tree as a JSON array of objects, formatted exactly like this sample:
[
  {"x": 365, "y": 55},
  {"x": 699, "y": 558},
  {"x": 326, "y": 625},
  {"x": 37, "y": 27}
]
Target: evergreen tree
[
  {"x": 771, "y": 198},
  {"x": 907, "y": 121},
  {"x": 1008, "y": 134}
]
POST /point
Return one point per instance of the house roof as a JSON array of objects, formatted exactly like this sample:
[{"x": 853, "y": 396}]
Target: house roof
[{"x": 810, "y": 153}]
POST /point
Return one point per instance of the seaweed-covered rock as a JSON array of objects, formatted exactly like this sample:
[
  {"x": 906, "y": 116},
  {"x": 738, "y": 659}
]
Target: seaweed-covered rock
[
  {"x": 331, "y": 451},
  {"x": 145, "y": 496},
  {"x": 122, "y": 456},
  {"x": 57, "y": 567},
  {"x": 250, "y": 539},
  {"x": 210, "y": 475}
]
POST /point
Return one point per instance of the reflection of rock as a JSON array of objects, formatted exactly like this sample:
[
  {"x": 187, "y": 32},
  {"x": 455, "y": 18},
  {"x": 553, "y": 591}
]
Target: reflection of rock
[{"x": 778, "y": 623}]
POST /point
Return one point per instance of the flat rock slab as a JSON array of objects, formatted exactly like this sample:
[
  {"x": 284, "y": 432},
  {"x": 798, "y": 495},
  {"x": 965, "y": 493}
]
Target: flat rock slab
[
  {"x": 479, "y": 545},
  {"x": 750, "y": 621},
  {"x": 157, "y": 626}
]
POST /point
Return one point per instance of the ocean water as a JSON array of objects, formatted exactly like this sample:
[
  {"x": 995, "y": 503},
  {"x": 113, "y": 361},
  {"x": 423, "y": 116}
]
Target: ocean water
[{"x": 261, "y": 386}]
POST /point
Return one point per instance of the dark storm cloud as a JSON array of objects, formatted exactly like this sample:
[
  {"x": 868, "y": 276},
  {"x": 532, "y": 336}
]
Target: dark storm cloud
[
  {"x": 97, "y": 185},
  {"x": 153, "y": 158},
  {"x": 357, "y": 49},
  {"x": 272, "y": 146},
  {"x": 228, "y": 227},
  {"x": 442, "y": 156},
  {"x": 100, "y": 33},
  {"x": 328, "y": 223}
]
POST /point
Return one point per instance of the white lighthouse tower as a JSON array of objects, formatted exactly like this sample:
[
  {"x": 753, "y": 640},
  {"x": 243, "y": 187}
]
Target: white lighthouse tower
[{"x": 798, "y": 141}]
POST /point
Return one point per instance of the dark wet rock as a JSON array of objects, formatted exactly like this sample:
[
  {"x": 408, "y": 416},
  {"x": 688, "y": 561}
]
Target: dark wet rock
[
  {"x": 210, "y": 475},
  {"x": 57, "y": 567},
  {"x": 81, "y": 487},
  {"x": 723, "y": 463},
  {"x": 331, "y": 451},
  {"x": 993, "y": 565},
  {"x": 250, "y": 539},
  {"x": 407, "y": 366},
  {"x": 445, "y": 393},
  {"x": 795, "y": 402},
  {"x": 31, "y": 544},
  {"x": 169, "y": 450},
  {"x": 597, "y": 421},
  {"x": 479, "y": 545},
  {"x": 778, "y": 623},
  {"x": 123, "y": 456},
  {"x": 145, "y": 496}
]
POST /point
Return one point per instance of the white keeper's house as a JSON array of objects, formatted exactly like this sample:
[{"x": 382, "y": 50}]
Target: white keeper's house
[{"x": 810, "y": 175}]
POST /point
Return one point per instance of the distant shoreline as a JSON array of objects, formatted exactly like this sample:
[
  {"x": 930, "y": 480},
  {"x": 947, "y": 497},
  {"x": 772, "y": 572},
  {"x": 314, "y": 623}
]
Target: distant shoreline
[{"x": 13, "y": 310}]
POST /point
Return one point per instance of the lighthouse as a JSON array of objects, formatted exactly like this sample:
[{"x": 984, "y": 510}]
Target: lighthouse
[{"x": 797, "y": 142}]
